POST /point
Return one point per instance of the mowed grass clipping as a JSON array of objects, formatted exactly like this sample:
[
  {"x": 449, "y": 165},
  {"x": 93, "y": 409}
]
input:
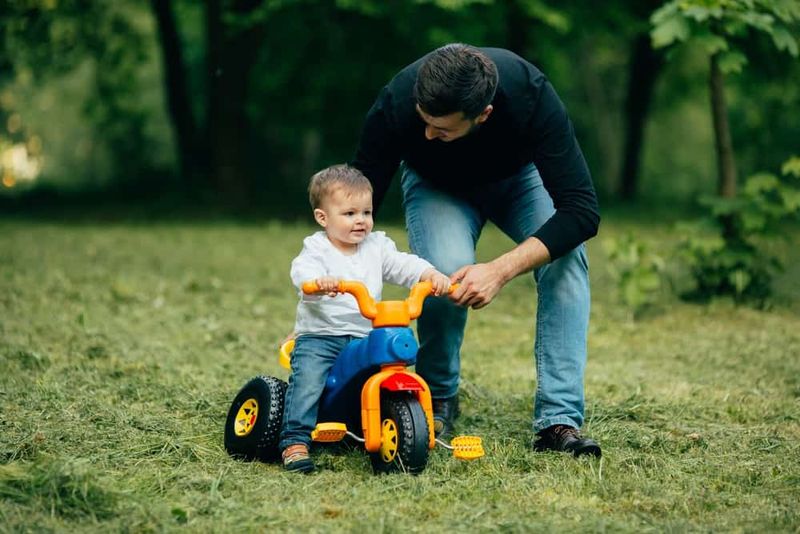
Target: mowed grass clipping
[{"x": 121, "y": 346}]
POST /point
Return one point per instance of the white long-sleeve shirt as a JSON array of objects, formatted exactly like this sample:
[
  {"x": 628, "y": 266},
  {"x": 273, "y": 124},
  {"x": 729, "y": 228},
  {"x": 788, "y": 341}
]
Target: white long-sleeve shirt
[{"x": 376, "y": 260}]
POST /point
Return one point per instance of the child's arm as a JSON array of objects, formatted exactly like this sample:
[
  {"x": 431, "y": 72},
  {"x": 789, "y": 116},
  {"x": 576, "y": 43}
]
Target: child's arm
[
  {"x": 440, "y": 282},
  {"x": 407, "y": 269}
]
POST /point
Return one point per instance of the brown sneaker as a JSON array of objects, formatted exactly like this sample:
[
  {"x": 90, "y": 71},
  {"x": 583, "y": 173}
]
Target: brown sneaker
[
  {"x": 296, "y": 458},
  {"x": 564, "y": 438}
]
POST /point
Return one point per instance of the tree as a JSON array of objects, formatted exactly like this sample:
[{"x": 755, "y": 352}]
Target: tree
[
  {"x": 644, "y": 66},
  {"x": 44, "y": 40},
  {"x": 188, "y": 138},
  {"x": 720, "y": 28},
  {"x": 213, "y": 150}
]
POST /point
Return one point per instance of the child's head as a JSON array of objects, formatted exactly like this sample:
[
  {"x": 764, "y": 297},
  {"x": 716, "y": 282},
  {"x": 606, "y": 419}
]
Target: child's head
[{"x": 341, "y": 198}]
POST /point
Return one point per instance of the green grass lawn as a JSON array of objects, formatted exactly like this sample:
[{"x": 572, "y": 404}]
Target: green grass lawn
[{"x": 122, "y": 344}]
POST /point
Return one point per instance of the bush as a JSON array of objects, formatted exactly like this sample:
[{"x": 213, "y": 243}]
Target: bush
[
  {"x": 725, "y": 251},
  {"x": 636, "y": 272}
]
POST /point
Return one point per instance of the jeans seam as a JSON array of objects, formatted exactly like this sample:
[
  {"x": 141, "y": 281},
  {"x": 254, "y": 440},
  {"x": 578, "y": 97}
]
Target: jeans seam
[{"x": 537, "y": 345}]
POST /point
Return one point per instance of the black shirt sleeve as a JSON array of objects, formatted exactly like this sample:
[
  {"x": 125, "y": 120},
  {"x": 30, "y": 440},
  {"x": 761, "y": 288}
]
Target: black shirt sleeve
[
  {"x": 378, "y": 152},
  {"x": 565, "y": 175}
]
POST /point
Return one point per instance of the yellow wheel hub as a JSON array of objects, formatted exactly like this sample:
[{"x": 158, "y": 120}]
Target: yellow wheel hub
[
  {"x": 388, "y": 440},
  {"x": 246, "y": 417}
]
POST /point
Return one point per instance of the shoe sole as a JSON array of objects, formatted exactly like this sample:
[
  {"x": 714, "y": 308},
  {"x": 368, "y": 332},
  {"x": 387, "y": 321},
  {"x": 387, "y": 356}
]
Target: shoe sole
[
  {"x": 300, "y": 466},
  {"x": 589, "y": 450}
]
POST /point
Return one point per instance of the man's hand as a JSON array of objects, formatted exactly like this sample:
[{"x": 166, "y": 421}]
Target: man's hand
[{"x": 479, "y": 284}]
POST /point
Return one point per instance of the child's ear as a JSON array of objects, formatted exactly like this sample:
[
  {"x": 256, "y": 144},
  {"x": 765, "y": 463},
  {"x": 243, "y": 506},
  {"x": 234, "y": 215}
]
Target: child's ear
[{"x": 320, "y": 217}]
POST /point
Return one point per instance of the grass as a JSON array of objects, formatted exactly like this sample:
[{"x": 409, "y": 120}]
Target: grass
[{"x": 121, "y": 345}]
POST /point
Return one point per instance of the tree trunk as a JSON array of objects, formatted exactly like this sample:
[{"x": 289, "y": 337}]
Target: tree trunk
[
  {"x": 178, "y": 98},
  {"x": 230, "y": 58},
  {"x": 645, "y": 66},
  {"x": 726, "y": 167},
  {"x": 516, "y": 28},
  {"x": 605, "y": 116}
]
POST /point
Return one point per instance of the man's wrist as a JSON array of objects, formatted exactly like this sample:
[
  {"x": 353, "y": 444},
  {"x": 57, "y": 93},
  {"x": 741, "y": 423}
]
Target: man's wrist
[
  {"x": 528, "y": 255},
  {"x": 504, "y": 266}
]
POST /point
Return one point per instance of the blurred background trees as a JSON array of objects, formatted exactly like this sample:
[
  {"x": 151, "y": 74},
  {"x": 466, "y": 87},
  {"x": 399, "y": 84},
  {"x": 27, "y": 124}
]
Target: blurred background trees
[{"x": 237, "y": 102}]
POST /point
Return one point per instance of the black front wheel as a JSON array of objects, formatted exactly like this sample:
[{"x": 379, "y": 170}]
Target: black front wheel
[
  {"x": 254, "y": 420},
  {"x": 404, "y": 435}
]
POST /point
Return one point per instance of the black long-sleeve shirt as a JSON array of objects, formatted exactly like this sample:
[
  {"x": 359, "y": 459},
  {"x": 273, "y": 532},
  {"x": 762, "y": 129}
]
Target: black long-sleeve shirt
[{"x": 528, "y": 124}]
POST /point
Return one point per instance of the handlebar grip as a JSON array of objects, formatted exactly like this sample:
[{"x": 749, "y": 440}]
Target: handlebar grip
[{"x": 310, "y": 287}]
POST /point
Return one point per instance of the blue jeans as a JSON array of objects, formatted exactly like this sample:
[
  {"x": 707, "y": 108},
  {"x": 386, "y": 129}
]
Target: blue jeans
[
  {"x": 312, "y": 359},
  {"x": 444, "y": 228}
]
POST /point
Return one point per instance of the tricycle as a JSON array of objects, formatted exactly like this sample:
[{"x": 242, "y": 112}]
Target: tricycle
[{"x": 370, "y": 394}]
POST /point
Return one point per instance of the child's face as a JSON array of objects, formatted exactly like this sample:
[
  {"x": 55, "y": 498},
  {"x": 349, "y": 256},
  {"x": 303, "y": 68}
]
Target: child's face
[{"x": 346, "y": 217}]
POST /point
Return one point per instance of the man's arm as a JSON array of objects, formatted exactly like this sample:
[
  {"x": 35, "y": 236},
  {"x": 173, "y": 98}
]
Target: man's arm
[
  {"x": 567, "y": 179},
  {"x": 565, "y": 175},
  {"x": 480, "y": 283}
]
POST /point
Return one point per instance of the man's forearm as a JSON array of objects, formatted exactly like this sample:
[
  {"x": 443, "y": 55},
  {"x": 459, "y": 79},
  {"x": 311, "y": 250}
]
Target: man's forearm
[{"x": 526, "y": 256}]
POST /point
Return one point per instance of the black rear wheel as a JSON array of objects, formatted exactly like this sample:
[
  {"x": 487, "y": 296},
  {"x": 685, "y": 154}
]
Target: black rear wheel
[
  {"x": 404, "y": 435},
  {"x": 253, "y": 425}
]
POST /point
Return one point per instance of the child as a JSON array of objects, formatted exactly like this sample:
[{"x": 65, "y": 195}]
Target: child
[{"x": 341, "y": 198}]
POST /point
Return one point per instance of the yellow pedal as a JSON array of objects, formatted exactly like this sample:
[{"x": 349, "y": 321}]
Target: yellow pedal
[
  {"x": 329, "y": 432},
  {"x": 467, "y": 447},
  {"x": 285, "y": 355}
]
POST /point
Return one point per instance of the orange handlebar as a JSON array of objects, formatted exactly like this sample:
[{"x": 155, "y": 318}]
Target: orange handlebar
[
  {"x": 365, "y": 302},
  {"x": 387, "y": 313}
]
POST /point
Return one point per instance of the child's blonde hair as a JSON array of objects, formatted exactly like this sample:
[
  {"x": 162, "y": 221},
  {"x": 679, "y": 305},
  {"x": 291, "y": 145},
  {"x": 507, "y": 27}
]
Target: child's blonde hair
[{"x": 326, "y": 181}]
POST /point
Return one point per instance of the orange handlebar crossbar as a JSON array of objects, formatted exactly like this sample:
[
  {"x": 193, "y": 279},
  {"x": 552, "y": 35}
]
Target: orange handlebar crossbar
[
  {"x": 365, "y": 301},
  {"x": 366, "y": 304},
  {"x": 386, "y": 313}
]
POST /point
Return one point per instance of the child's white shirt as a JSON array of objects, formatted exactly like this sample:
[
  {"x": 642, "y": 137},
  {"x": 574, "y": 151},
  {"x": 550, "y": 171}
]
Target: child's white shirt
[{"x": 376, "y": 260}]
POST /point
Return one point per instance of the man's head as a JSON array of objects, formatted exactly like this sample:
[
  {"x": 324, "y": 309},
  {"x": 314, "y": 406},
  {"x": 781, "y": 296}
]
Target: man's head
[
  {"x": 454, "y": 91},
  {"x": 341, "y": 197}
]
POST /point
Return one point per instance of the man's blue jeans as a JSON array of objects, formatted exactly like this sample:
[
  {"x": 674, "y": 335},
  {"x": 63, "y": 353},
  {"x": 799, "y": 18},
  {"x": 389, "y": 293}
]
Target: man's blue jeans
[
  {"x": 444, "y": 228},
  {"x": 312, "y": 359}
]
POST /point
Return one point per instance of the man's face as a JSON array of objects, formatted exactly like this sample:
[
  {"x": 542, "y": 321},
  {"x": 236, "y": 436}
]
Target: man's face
[{"x": 451, "y": 127}]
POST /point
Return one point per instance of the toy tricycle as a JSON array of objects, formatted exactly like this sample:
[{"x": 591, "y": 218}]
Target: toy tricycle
[{"x": 369, "y": 388}]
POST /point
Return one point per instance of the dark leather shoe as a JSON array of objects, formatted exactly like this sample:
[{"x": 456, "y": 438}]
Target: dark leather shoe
[
  {"x": 566, "y": 439},
  {"x": 445, "y": 412}
]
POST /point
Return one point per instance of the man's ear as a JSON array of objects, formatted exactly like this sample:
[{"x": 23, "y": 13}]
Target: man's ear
[
  {"x": 320, "y": 217},
  {"x": 484, "y": 114}
]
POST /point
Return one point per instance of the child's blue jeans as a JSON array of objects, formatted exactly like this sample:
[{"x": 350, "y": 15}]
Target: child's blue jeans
[{"x": 312, "y": 359}]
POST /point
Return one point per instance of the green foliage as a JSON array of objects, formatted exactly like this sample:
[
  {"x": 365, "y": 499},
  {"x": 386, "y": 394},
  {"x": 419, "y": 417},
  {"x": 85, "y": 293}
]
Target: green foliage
[
  {"x": 85, "y": 80},
  {"x": 715, "y": 26},
  {"x": 104, "y": 46},
  {"x": 727, "y": 252},
  {"x": 636, "y": 271}
]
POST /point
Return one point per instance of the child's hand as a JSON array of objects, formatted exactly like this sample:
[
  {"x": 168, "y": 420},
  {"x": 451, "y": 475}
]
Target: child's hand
[
  {"x": 440, "y": 283},
  {"x": 328, "y": 285}
]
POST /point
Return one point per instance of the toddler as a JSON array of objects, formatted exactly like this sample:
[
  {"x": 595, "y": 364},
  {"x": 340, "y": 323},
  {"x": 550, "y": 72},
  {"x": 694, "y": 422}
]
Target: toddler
[{"x": 346, "y": 249}]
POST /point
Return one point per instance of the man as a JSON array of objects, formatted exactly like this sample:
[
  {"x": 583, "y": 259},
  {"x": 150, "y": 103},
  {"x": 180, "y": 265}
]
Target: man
[{"x": 480, "y": 135}]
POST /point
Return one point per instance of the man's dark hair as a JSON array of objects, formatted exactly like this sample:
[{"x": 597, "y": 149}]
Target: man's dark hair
[{"x": 456, "y": 77}]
